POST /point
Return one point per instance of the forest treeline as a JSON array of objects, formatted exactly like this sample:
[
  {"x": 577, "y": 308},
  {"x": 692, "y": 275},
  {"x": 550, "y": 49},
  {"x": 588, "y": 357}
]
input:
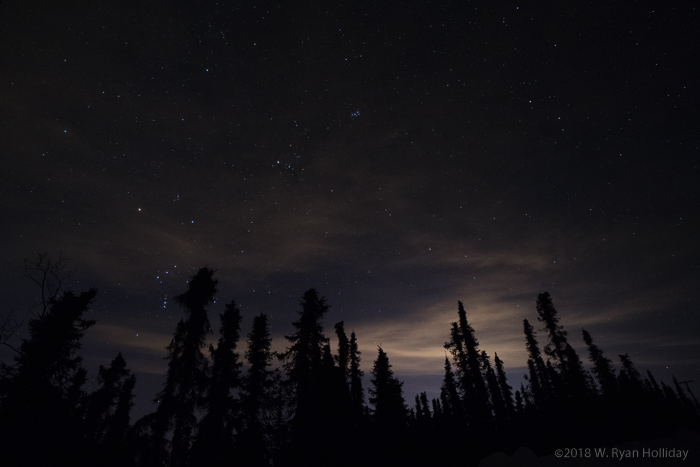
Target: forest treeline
[{"x": 229, "y": 403}]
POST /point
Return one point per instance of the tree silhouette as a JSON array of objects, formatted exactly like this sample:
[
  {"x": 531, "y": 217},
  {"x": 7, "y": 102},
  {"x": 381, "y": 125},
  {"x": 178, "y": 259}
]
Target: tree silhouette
[
  {"x": 209, "y": 413},
  {"x": 497, "y": 402},
  {"x": 343, "y": 350},
  {"x": 519, "y": 403},
  {"x": 505, "y": 389},
  {"x": 43, "y": 402},
  {"x": 686, "y": 404},
  {"x": 654, "y": 386},
  {"x": 304, "y": 362},
  {"x": 629, "y": 378},
  {"x": 357, "y": 395},
  {"x": 389, "y": 413},
  {"x": 549, "y": 317},
  {"x": 259, "y": 437},
  {"x": 386, "y": 395},
  {"x": 49, "y": 273},
  {"x": 464, "y": 348},
  {"x": 451, "y": 402},
  {"x": 9, "y": 325},
  {"x": 602, "y": 366},
  {"x": 186, "y": 378},
  {"x": 571, "y": 379},
  {"x": 304, "y": 357},
  {"x": 538, "y": 373},
  {"x": 107, "y": 416},
  {"x": 214, "y": 442}
]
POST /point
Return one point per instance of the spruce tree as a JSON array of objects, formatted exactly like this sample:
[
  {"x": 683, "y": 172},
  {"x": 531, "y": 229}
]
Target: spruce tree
[
  {"x": 464, "y": 348},
  {"x": 259, "y": 399},
  {"x": 340, "y": 384},
  {"x": 497, "y": 402},
  {"x": 424, "y": 405},
  {"x": 357, "y": 396},
  {"x": 108, "y": 410},
  {"x": 629, "y": 379},
  {"x": 685, "y": 401},
  {"x": 304, "y": 357},
  {"x": 107, "y": 415},
  {"x": 572, "y": 377},
  {"x": 527, "y": 397},
  {"x": 535, "y": 386},
  {"x": 343, "y": 350},
  {"x": 43, "y": 403},
  {"x": 505, "y": 389},
  {"x": 519, "y": 405},
  {"x": 420, "y": 417},
  {"x": 449, "y": 396},
  {"x": 437, "y": 410},
  {"x": 602, "y": 366},
  {"x": 334, "y": 397},
  {"x": 578, "y": 380},
  {"x": 306, "y": 362},
  {"x": 187, "y": 375},
  {"x": 386, "y": 395},
  {"x": 214, "y": 442},
  {"x": 538, "y": 373},
  {"x": 654, "y": 386},
  {"x": 549, "y": 317}
]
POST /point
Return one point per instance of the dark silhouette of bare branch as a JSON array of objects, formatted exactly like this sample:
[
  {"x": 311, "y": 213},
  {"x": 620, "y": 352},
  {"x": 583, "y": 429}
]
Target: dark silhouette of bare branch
[
  {"x": 9, "y": 324},
  {"x": 50, "y": 274}
]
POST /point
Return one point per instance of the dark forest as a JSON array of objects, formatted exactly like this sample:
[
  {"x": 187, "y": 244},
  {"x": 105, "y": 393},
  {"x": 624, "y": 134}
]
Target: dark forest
[{"x": 236, "y": 402}]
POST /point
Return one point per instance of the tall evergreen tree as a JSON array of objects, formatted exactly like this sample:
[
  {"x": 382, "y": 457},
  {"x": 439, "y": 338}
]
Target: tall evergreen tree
[
  {"x": 331, "y": 373},
  {"x": 539, "y": 376},
  {"x": 341, "y": 386},
  {"x": 386, "y": 395},
  {"x": 497, "y": 402},
  {"x": 549, "y": 317},
  {"x": 214, "y": 442},
  {"x": 464, "y": 348},
  {"x": 519, "y": 404},
  {"x": 437, "y": 409},
  {"x": 578, "y": 380},
  {"x": 654, "y": 386},
  {"x": 629, "y": 378},
  {"x": 304, "y": 362},
  {"x": 262, "y": 428},
  {"x": 534, "y": 385},
  {"x": 334, "y": 397},
  {"x": 685, "y": 401},
  {"x": 565, "y": 358},
  {"x": 43, "y": 402},
  {"x": 304, "y": 357},
  {"x": 670, "y": 394},
  {"x": 343, "y": 349},
  {"x": 424, "y": 405},
  {"x": 108, "y": 410},
  {"x": 424, "y": 417},
  {"x": 602, "y": 366},
  {"x": 187, "y": 375},
  {"x": 528, "y": 398},
  {"x": 451, "y": 402},
  {"x": 420, "y": 416},
  {"x": 505, "y": 389},
  {"x": 357, "y": 396}
]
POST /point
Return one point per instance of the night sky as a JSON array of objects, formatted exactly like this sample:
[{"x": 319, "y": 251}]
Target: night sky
[{"x": 396, "y": 156}]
